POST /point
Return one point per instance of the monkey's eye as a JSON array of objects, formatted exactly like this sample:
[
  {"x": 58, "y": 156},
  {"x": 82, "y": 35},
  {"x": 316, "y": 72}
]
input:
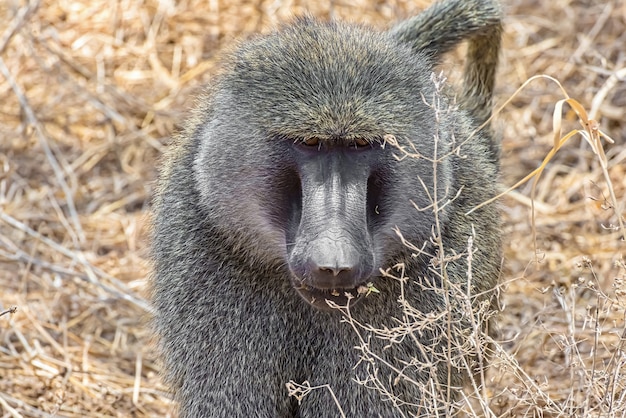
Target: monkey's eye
[
  {"x": 359, "y": 143},
  {"x": 311, "y": 142}
]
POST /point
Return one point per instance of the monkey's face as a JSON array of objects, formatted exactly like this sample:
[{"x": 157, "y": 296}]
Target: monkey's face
[{"x": 292, "y": 161}]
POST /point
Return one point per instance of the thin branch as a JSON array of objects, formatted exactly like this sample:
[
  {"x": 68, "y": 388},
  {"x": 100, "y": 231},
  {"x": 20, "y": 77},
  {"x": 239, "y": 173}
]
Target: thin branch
[
  {"x": 43, "y": 141},
  {"x": 16, "y": 24}
]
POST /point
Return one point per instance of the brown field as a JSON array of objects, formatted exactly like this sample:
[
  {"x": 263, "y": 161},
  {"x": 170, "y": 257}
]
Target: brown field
[{"x": 90, "y": 92}]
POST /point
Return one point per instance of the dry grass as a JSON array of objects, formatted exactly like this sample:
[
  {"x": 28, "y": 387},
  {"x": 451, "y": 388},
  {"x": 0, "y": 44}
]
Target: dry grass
[{"x": 91, "y": 90}]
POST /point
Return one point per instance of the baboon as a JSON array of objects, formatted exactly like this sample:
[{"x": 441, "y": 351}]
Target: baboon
[{"x": 282, "y": 194}]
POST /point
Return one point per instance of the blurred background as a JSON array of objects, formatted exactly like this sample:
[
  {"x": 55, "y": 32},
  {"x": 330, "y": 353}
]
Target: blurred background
[{"x": 90, "y": 92}]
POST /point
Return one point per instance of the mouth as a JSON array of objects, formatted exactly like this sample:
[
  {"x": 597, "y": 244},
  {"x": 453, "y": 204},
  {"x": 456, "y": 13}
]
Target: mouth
[{"x": 320, "y": 298}]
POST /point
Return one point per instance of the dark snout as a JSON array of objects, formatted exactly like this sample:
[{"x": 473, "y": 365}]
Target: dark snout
[{"x": 333, "y": 254}]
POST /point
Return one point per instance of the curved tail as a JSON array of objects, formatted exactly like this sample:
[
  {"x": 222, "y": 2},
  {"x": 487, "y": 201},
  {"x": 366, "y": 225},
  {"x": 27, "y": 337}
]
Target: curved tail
[{"x": 443, "y": 26}]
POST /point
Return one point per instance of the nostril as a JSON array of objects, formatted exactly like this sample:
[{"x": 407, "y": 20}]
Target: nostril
[
  {"x": 339, "y": 277},
  {"x": 335, "y": 271}
]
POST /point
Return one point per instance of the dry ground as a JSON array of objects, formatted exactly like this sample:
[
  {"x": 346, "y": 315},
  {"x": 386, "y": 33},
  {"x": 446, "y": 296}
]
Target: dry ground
[{"x": 90, "y": 91}]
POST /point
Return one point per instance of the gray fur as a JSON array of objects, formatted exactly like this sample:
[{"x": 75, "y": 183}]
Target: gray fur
[{"x": 233, "y": 330}]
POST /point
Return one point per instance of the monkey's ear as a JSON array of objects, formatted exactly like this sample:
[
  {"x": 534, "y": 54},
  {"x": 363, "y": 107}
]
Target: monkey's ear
[{"x": 445, "y": 24}]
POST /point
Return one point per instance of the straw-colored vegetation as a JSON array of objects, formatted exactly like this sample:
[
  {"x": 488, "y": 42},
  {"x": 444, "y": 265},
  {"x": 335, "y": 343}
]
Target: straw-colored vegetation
[{"x": 90, "y": 92}]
